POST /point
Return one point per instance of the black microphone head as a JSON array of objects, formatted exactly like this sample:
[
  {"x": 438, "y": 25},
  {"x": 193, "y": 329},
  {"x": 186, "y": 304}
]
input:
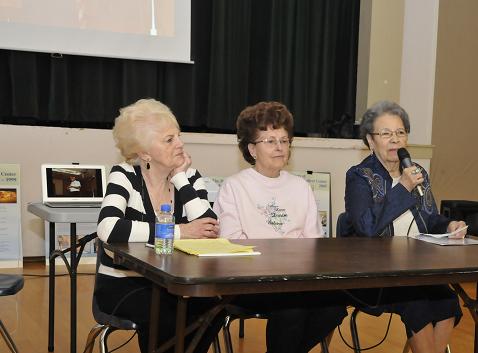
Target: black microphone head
[{"x": 403, "y": 153}]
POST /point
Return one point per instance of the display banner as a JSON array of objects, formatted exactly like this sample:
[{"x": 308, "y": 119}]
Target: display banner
[
  {"x": 10, "y": 217},
  {"x": 320, "y": 184}
]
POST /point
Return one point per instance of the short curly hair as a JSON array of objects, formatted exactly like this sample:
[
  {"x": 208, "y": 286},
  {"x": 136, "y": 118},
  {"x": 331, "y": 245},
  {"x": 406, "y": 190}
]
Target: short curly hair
[
  {"x": 136, "y": 126},
  {"x": 260, "y": 117},
  {"x": 376, "y": 111}
]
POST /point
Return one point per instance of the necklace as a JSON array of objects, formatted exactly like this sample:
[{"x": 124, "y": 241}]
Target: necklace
[
  {"x": 156, "y": 203},
  {"x": 169, "y": 191}
]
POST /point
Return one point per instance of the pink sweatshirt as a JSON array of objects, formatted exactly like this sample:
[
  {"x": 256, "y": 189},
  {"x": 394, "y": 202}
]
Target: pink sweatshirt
[{"x": 251, "y": 205}]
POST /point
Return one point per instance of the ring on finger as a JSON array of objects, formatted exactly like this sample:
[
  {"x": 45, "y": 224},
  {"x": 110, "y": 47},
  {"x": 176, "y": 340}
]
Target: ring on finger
[{"x": 416, "y": 171}]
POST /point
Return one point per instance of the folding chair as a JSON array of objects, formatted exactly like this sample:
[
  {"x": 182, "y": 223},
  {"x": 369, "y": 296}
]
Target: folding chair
[
  {"x": 106, "y": 323},
  {"x": 9, "y": 285}
]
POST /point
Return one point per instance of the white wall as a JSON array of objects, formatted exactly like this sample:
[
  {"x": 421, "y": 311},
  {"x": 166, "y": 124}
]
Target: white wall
[
  {"x": 31, "y": 146},
  {"x": 417, "y": 87},
  {"x": 385, "y": 55},
  {"x": 455, "y": 117},
  {"x": 397, "y": 59},
  {"x": 212, "y": 154}
]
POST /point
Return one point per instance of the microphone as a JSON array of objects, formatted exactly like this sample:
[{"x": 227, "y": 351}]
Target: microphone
[{"x": 406, "y": 162}]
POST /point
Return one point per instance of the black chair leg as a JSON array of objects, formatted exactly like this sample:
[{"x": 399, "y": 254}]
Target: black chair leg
[
  {"x": 8, "y": 339},
  {"x": 354, "y": 332},
  {"x": 216, "y": 347},
  {"x": 241, "y": 328},
  {"x": 227, "y": 335}
]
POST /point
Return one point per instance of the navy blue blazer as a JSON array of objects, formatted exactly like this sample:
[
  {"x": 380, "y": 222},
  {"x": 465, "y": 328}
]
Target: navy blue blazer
[{"x": 371, "y": 204}]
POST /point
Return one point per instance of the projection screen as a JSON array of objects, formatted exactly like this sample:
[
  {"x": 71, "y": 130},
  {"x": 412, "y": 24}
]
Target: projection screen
[{"x": 158, "y": 30}]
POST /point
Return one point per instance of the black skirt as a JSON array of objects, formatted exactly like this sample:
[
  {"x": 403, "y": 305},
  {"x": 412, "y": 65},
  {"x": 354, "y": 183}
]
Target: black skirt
[{"x": 417, "y": 306}]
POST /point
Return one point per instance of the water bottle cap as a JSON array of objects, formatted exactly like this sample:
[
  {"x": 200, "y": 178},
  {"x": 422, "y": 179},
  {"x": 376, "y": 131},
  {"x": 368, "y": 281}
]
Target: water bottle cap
[{"x": 166, "y": 207}]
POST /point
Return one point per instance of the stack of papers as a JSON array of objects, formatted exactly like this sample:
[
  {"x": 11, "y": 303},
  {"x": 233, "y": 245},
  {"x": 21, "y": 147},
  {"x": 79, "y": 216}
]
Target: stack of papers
[
  {"x": 451, "y": 235},
  {"x": 213, "y": 247},
  {"x": 446, "y": 238},
  {"x": 445, "y": 241}
]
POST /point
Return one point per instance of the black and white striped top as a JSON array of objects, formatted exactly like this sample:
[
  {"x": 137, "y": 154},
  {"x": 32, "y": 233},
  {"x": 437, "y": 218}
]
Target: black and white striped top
[{"x": 127, "y": 214}]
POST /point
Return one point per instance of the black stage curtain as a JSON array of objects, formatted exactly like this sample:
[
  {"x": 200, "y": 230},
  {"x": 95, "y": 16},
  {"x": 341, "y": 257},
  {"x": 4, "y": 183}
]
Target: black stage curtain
[{"x": 300, "y": 52}]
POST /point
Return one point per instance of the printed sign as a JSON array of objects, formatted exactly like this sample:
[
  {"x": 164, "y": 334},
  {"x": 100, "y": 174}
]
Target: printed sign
[
  {"x": 10, "y": 216},
  {"x": 320, "y": 184}
]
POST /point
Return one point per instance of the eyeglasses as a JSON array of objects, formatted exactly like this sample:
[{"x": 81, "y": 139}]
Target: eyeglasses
[
  {"x": 271, "y": 142},
  {"x": 387, "y": 134}
]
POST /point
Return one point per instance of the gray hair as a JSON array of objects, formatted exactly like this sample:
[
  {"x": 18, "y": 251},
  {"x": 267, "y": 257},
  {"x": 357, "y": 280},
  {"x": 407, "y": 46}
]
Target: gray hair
[{"x": 376, "y": 111}]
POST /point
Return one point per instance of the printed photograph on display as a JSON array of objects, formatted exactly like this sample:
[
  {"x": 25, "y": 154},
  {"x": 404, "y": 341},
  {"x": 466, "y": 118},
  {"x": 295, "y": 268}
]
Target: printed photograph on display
[{"x": 8, "y": 195}]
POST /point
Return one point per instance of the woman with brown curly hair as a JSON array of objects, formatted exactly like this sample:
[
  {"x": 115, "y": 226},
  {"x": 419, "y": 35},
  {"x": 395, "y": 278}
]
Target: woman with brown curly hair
[{"x": 265, "y": 201}]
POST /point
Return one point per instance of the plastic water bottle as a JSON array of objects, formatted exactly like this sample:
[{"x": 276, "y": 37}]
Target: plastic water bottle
[{"x": 164, "y": 230}]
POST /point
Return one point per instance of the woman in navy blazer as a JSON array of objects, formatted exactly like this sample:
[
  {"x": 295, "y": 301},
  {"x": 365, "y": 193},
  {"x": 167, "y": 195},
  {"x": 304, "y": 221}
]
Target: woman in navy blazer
[{"x": 381, "y": 199}]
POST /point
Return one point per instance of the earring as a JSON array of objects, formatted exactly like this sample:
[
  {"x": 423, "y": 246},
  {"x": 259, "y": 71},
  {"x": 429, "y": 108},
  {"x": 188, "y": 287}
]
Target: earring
[
  {"x": 147, "y": 165},
  {"x": 254, "y": 156}
]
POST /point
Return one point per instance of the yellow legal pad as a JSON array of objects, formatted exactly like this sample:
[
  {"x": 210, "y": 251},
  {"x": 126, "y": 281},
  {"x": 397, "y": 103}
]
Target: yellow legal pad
[{"x": 213, "y": 247}]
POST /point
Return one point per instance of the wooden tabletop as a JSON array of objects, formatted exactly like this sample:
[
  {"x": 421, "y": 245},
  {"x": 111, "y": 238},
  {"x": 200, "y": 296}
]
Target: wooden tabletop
[{"x": 305, "y": 264}]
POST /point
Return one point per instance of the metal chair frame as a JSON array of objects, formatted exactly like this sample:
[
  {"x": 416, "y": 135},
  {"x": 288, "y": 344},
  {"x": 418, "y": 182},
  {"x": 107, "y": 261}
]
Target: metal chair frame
[
  {"x": 9, "y": 285},
  {"x": 353, "y": 316},
  {"x": 106, "y": 323}
]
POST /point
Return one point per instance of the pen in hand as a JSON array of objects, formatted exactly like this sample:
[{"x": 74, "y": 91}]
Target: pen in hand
[{"x": 457, "y": 231}]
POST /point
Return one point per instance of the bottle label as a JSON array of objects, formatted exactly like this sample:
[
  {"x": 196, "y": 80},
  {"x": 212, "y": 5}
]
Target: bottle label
[{"x": 164, "y": 230}]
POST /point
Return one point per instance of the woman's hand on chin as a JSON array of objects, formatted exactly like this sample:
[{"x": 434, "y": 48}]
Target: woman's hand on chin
[
  {"x": 200, "y": 228},
  {"x": 184, "y": 166}
]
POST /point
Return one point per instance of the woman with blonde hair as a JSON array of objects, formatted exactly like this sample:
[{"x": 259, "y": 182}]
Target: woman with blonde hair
[{"x": 156, "y": 171}]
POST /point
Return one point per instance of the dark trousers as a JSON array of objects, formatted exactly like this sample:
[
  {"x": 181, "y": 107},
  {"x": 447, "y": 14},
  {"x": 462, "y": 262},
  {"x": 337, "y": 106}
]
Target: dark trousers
[
  {"x": 297, "y": 322},
  {"x": 130, "y": 298}
]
